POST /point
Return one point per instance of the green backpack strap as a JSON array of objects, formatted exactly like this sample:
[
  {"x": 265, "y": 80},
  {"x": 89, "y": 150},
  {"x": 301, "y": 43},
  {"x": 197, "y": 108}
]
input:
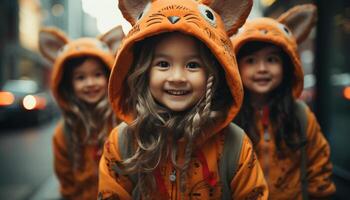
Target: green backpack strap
[
  {"x": 230, "y": 157},
  {"x": 125, "y": 150},
  {"x": 302, "y": 118}
]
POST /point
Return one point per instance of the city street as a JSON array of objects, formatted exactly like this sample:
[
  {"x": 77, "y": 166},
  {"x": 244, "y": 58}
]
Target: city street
[{"x": 26, "y": 163}]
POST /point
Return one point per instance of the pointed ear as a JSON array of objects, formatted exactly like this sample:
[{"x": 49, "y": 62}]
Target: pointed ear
[
  {"x": 113, "y": 38},
  {"x": 300, "y": 20},
  {"x": 233, "y": 12},
  {"x": 51, "y": 40},
  {"x": 132, "y": 9}
]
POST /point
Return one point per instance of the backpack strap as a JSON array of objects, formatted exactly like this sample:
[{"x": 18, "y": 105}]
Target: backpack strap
[
  {"x": 230, "y": 157},
  {"x": 302, "y": 118},
  {"x": 125, "y": 150}
]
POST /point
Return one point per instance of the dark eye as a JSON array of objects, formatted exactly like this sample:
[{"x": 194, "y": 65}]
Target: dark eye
[
  {"x": 144, "y": 12},
  {"x": 98, "y": 74},
  {"x": 193, "y": 65},
  {"x": 79, "y": 78},
  {"x": 208, "y": 14},
  {"x": 249, "y": 60},
  {"x": 163, "y": 64},
  {"x": 285, "y": 30},
  {"x": 140, "y": 15},
  {"x": 273, "y": 59}
]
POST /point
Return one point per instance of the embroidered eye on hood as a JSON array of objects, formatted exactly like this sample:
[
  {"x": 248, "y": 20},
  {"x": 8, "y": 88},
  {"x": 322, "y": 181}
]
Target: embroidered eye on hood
[
  {"x": 290, "y": 29},
  {"x": 211, "y": 22},
  {"x": 57, "y": 48}
]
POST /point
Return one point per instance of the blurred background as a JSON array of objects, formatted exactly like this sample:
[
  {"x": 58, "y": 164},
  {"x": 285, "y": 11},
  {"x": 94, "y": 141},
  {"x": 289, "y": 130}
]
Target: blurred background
[{"x": 28, "y": 113}]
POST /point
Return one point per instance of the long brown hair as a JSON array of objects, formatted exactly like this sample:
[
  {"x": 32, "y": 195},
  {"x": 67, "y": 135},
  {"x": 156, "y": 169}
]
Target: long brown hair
[
  {"x": 281, "y": 103},
  {"x": 155, "y": 126},
  {"x": 85, "y": 123}
]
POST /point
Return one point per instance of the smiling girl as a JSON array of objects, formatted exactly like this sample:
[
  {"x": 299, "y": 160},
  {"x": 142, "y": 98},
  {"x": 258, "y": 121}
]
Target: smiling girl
[
  {"x": 291, "y": 148},
  {"x": 80, "y": 75},
  {"x": 176, "y": 86}
]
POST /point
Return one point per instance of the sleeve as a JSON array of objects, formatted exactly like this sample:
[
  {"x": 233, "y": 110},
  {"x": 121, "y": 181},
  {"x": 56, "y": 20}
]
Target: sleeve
[
  {"x": 62, "y": 164},
  {"x": 319, "y": 166},
  {"x": 112, "y": 185},
  {"x": 249, "y": 181}
]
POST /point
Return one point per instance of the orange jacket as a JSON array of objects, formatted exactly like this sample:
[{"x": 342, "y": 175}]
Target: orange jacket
[
  {"x": 75, "y": 183},
  {"x": 58, "y": 48},
  {"x": 204, "y": 23},
  {"x": 283, "y": 175},
  {"x": 248, "y": 182}
]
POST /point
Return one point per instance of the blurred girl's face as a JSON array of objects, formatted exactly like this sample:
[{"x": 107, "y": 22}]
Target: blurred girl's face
[
  {"x": 90, "y": 81},
  {"x": 261, "y": 71},
  {"x": 177, "y": 75}
]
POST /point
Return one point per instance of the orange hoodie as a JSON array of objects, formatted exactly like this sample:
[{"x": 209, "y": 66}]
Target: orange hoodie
[
  {"x": 202, "y": 20},
  {"x": 57, "y": 48},
  {"x": 283, "y": 175}
]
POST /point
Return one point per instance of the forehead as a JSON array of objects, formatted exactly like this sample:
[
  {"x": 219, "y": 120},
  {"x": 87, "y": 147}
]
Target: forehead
[{"x": 176, "y": 40}]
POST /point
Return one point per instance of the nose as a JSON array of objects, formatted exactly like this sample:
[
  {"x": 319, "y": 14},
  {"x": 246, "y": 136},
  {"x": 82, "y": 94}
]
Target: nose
[
  {"x": 90, "y": 81},
  {"x": 177, "y": 75},
  {"x": 173, "y": 19},
  {"x": 262, "y": 67}
]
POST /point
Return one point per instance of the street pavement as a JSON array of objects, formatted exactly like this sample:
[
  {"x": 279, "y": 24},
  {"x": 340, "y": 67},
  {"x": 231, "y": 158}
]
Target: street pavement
[{"x": 26, "y": 168}]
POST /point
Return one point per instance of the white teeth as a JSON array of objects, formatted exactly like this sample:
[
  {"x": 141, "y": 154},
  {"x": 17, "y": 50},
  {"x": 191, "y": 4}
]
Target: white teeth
[{"x": 177, "y": 92}]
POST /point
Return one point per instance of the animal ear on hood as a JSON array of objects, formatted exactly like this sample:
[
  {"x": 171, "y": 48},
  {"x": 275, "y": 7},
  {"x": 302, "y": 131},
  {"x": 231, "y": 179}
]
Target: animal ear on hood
[
  {"x": 232, "y": 12},
  {"x": 132, "y": 9},
  {"x": 300, "y": 20},
  {"x": 51, "y": 40},
  {"x": 113, "y": 38}
]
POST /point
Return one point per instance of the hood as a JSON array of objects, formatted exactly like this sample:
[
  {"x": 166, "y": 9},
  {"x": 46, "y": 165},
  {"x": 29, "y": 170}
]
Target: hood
[
  {"x": 202, "y": 20},
  {"x": 286, "y": 32},
  {"x": 57, "y": 48}
]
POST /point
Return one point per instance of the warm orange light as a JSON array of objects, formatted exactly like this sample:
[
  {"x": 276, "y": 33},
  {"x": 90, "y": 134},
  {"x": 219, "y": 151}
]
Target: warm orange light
[
  {"x": 346, "y": 93},
  {"x": 6, "y": 98},
  {"x": 31, "y": 102},
  {"x": 41, "y": 102}
]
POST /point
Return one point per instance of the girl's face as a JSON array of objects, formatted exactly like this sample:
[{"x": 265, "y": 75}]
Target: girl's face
[
  {"x": 90, "y": 81},
  {"x": 261, "y": 71},
  {"x": 177, "y": 75}
]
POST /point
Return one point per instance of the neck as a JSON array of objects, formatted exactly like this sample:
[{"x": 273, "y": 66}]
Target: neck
[{"x": 258, "y": 101}]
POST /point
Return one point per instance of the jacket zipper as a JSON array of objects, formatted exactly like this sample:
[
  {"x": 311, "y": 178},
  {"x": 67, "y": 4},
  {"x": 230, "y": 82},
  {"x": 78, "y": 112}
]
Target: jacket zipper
[{"x": 172, "y": 178}]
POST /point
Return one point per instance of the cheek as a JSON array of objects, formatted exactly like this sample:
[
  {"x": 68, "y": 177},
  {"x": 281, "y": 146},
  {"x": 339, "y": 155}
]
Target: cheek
[
  {"x": 200, "y": 81},
  {"x": 103, "y": 82},
  {"x": 278, "y": 73},
  {"x": 245, "y": 73},
  {"x": 76, "y": 85},
  {"x": 157, "y": 76},
  {"x": 154, "y": 81}
]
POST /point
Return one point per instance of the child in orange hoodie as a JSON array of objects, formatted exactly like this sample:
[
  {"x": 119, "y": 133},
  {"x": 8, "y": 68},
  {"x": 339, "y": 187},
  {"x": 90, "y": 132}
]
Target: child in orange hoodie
[
  {"x": 80, "y": 75},
  {"x": 176, "y": 86},
  {"x": 289, "y": 143}
]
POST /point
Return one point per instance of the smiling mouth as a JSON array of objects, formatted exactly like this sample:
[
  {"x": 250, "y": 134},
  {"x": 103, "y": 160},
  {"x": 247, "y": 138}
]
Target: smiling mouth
[
  {"x": 90, "y": 93},
  {"x": 177, "y": 92},
  {"x": 262, "y": 80}
]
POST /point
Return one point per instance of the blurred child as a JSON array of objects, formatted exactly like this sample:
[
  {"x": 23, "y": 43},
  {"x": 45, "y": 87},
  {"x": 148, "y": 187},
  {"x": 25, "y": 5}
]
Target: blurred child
[
  {"x": 177, "y": 88},
  {"x": 80, "y": 75},
  {"x": 290, "y": 146}
]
